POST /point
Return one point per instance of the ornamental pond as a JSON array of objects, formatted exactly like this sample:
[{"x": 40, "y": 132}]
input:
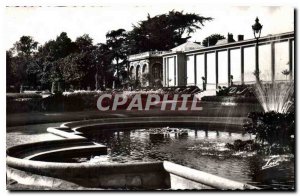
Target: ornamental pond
[{"x": 201, "y": 149}]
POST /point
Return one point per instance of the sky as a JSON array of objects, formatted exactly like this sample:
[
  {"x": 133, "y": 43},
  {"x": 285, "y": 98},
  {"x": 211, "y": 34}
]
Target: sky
[{"x": 45, "y": 23}]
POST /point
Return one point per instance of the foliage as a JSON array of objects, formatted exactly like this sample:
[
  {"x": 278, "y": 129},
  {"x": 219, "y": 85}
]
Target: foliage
[
  {"x": 239, "y": 145},
  {"x": 78, "y": 100},
  {"x": 236, "y": 90},
  {"x": 222, "y": 99},
  {"x": 10, "y": 79},
  {"x": 212, "y": 40},
  {"x": 222, "y": 91},
  {"x": 83, "y": 65},
  {"x": 286, "y": 72},
  {"x": 163, "y": 32},
  {"x": 116, "y": 42},
  {"x": 25, "y": 46},
  {"x": 22, "y": 95},
  {"x": 274, "y": 129},
  {"x": 103, "y": 68}
]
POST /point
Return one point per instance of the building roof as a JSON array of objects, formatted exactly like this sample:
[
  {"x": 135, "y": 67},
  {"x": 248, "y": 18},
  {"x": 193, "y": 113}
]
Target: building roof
[
  {"x": 186, "y": 47},
  {"x": 222, "y": 41}
]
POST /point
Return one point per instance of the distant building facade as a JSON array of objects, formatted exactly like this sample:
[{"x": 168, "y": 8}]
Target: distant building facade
[
  {"x": 227, "y": 62},
  {"x": 146, "y": 68}
]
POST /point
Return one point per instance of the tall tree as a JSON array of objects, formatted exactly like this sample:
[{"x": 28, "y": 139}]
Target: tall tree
[
  {"x": 103, "y": 70},
  {"x": 116, "y": 41},
  {"x": 84, "y": 43},
  {"x": 50, "y": 54},
  {"x": 25, "y": 46},
  {"x": 62, "y": 47},
  {"x": 163, "y": 32},
  {"x": 10, "y": 79},
  {"x": 212, "y": 39},
  {"x": 77, "y": 68},
  {"x": 22, "y": 61},
  {"x": 17, "y": 71},
  {"x": 33, "y": 73}
]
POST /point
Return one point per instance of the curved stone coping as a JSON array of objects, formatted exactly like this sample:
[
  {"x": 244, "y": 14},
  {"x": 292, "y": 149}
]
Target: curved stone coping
[
  {"x": 78, "y": 151},
  {"x": 64, "y": 132},
  {"x": 81, "y": 169},
  {"x": 141, "y": 175},
  {"x": 27, "y": 178},
  {"x": 61, "y": 147},
  {"x": 89, "y": 126},
  {"x": 127, "y": 175},
  {"x": 149, "y": 175},
  {"x": 230, "y": 121},
  {"x": 113, "y": 175},
  {"x": 204, "y": 178}
]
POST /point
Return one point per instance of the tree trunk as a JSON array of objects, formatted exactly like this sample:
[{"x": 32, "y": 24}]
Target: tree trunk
[
  {"x": 104, "y": 82},
  {"x": 96, "y": 79},
  {"x": 117, "y": 82}
]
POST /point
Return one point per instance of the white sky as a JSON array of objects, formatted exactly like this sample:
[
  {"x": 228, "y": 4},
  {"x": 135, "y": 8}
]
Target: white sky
[{"x": 45, "y": 23}]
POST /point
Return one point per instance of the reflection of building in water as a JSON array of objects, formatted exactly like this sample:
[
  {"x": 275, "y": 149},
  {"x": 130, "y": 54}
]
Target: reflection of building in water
[{"x": 213, "y": 66}]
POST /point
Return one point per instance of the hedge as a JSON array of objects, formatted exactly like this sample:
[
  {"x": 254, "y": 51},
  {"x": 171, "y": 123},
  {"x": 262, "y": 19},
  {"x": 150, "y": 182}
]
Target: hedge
[
  {"x": 22, "y": 95},
  {"x": 229, "y": 99},
  {"x": 77, "y": 101}
]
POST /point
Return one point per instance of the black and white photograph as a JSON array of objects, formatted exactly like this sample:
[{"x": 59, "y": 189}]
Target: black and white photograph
[{"x": 150, "y": 97}]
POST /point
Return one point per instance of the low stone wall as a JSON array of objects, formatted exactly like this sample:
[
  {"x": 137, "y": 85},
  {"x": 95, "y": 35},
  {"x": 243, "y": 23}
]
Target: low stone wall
[
  {"x": 145, "y": 176},
  {"x": 126, "y": 176},
  {"x": 41, "y": 182},
  {"x": 182, "y": 177},
  {"x": 110, "y": 124},
  {"x": 149, "y": 176},
  {"x": 187, "y": 120}
]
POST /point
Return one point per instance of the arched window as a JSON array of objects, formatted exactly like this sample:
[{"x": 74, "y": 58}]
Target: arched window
[
  {"x": 144, "y": 68},
  {"x": 138, "y": 73}
]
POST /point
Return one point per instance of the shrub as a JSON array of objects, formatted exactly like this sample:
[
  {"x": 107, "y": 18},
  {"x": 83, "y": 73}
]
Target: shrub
[
  {"x": 22, "y": 95},
  {"x": 236, "y": 90},
  {"x": 79, "y": 100},
  {"x": 274, "y": 130},
  {"x": 23, "y": 105},
  {"x": 222, "y": 91},
  {"x": 239, "y": 145},
  {"x": 229, "y": 99}
]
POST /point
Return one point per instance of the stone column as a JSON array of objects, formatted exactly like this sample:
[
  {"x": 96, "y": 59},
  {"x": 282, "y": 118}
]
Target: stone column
[
  {"x": 291, "y": 58},
  {"x": 272, "y": 61},
  {"x": 242, "y": 65},
  {"x": 229, "y": 67},
  {"x": 205, "y": 70},
  {"x": 195, "y": 69},
  {"x": 217, "y": 68},
  {"x": 257, "y": 60}
]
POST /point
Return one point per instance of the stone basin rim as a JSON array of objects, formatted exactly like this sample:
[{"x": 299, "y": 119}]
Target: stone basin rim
[
  {"x": 87, "y": 170},
  {"x": 136, "y": 122}
]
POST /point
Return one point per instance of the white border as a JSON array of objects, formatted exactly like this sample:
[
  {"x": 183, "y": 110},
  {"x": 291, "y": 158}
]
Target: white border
[{"x": 293, "y": 3}]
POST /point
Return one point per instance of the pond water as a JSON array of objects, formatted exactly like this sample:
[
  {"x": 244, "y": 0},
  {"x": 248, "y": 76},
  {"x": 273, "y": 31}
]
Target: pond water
[{"x": 199, "y": 149}]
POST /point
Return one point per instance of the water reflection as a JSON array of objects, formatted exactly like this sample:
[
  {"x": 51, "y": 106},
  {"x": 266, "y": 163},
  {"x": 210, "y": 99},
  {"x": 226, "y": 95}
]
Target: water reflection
[{"x": 200, "y": 149}]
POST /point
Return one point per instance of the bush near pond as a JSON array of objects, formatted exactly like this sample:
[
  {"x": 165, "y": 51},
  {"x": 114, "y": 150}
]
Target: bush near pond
[
  {"x": 236, "y": 90},
  {"x": 22, "y": 95},
  {"x": 274, "y": 131},
  {"x": 57, "y": 102},
  {"x": 73, "y": 101},
  {"x": 229, "y": 99}
]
